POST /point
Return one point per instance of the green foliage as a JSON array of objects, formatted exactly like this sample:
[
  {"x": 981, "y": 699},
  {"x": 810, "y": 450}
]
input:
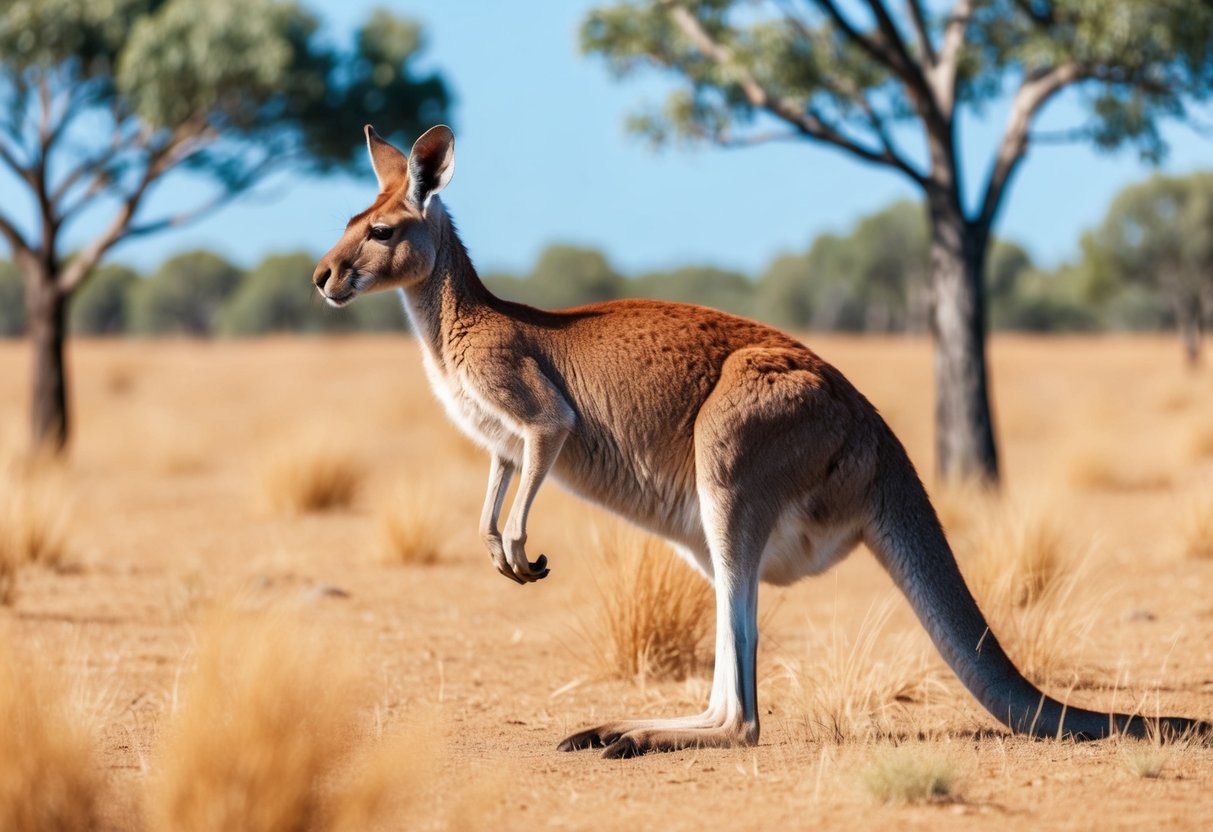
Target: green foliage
[
  {"x": 184, "y": 296},
  {"x": 1160, "y": 233},
  {"x": 12, "y": 301},
  {"x": 1149, "y": 264},
  {"x": 564, "y": 276},
  {"x": 705, "y": 285},
  {"x": 1138, "y": 61},
  {"x": 1043, "y": 302},
  {"x": 278, "y": 296},
  {"x": 875, "y": 278},
  {"x": 102, "y": 305},
  {"x": 257, "y": 74}
]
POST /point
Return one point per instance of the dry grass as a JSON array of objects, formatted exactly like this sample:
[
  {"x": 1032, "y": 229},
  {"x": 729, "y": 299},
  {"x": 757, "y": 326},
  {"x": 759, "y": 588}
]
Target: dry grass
[
  {"x": 855, "y": 688},
  {"x": 34, "y": 519},
  {"x": 50, "y": 779},
  {"x": 961, "y": 503},
  {"x": 1144, "y": 758},
  {"x": 911, "y": 774},
  {"x": 309, "y": 476},
  {"x": 1033, "y": 585},
  {"x": 1197, "y": 530},
  {"x": 655, "y": 612},
  {"x": 411, "y": 531},
  {"x": 265, "y": 720},
  {"x": 1019, "y": 558},
  {"x": 1108, "y": 470},
  {"x": 269, "y": 737}
]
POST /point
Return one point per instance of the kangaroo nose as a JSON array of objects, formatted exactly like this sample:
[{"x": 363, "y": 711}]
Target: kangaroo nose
[{"x": 322, "y": 275}]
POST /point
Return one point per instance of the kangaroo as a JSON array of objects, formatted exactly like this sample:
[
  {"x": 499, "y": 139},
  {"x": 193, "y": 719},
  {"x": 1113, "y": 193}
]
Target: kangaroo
[{"x": 754, "y": 457}]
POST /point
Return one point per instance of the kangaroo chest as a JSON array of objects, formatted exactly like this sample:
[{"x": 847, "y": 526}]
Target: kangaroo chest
[{"x": 468, "y": 411}]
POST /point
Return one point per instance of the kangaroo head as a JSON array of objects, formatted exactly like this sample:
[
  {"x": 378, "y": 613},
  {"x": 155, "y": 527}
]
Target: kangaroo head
[{"x": 391, "y": 245}]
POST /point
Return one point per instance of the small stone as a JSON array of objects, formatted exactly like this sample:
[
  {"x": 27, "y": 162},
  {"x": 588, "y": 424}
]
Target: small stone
[
  {"x": 1140, "y": 615},
  {"x": 319, "y": 591}
]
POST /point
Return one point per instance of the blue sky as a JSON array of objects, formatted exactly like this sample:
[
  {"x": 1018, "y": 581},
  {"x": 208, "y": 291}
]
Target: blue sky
[{"x": 542, "y": 156}]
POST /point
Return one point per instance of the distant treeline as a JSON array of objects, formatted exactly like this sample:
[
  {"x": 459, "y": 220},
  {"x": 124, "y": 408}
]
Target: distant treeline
[{"x": 873, "y": 279}]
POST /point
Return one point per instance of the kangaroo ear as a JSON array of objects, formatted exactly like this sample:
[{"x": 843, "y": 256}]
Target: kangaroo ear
[
  {"x": 431, "y": 164},
  {"x": 389, "y": 163}
]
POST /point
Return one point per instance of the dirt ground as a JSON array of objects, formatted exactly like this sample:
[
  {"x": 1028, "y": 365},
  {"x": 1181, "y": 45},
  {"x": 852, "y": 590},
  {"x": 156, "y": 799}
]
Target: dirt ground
[{"x": 165, "y": 483}]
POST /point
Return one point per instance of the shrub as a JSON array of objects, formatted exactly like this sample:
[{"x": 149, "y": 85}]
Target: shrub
[{"x": 184, "y": 295}]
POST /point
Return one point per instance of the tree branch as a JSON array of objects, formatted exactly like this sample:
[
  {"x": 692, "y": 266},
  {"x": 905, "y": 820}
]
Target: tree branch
[
  {"x": 806, "y": 121},
  {"x": 877, "y": 50},
  {"x": 180, "y": 145},
  {"x": 919, "y": 18},
  {"x": 943, "y": 76},
  {"x": 182, "y": 217},
  {"x": 915, "y": 75},
  {"x": 1035, "y": 91},
  {"x": 14, "y": 238},
  {"x": 22, "y": 172},
  {"x": 903, "y": 61},
  {"x": 1046, "y": 18}
]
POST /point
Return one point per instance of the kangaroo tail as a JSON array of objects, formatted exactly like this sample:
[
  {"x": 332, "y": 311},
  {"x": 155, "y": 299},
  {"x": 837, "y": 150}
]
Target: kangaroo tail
[{"x": 907, "y": 539}]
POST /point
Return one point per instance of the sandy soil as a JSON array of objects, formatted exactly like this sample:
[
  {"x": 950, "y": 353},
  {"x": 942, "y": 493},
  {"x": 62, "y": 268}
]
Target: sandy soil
[{"x": 165, "y": 484}]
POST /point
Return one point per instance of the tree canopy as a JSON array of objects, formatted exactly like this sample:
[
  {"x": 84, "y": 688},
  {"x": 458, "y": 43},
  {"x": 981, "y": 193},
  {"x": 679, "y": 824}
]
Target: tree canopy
[
  {"x": 102, "y": 100},
  {"x": 887, "y": 85},
  {"x": 1159, "y": 233}
]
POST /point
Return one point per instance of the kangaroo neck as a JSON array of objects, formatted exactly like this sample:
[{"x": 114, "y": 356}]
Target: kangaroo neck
[{"x": 452, "y": 300}]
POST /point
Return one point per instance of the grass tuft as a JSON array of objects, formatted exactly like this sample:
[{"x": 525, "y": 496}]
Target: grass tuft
[
  {"x": 655, "y": 611},
  {"x": 50, "y": 779},
  {"x": 1032, "y": 584},
  {"x": 264, "y": 721},
  {"x": 310, "y": 476},
  {"x": 849, "y": 691},
  {"x": 34, "y": 519},
  {"x": 1145, "y": 759},
  {"x": 411, "y": 532},
  {"x": 911, "y": 774},
  {"x": 1020, "y": 558}
]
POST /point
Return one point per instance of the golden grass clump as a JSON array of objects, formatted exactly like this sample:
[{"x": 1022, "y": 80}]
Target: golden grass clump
[
  {"x": 264, "y": 721},
  {"x": 1145, "y": 758},
  {"x": 854, "y": 688},
  {"x": 910, "y": 774},
  {"x": 311, "y": 476},
  {"x": 50, "y": 777},
  {"x": 34, "y": 519},
  {"x": 655, "y": 611},
  {"x": 411, "y": 531},
  {"x": 1032, "y": 585},
  {"x": 1018, "y": 559}
]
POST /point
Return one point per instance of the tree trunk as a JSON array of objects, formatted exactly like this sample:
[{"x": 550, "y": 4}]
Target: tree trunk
[
  {"x": 47, "y": 308},
  {"x": 964, "y": 428}
]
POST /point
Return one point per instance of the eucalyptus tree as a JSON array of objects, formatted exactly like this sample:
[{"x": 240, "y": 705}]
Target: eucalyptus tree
[
  {"x": 102, "y": 101},
  {"x": 876, "y": 80},
  {"x": 1159, "y": 234}
]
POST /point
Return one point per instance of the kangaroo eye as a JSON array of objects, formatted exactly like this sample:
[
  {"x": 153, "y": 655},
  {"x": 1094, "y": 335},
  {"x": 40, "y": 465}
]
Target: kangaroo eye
[{"x": 381, "y": 232}]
